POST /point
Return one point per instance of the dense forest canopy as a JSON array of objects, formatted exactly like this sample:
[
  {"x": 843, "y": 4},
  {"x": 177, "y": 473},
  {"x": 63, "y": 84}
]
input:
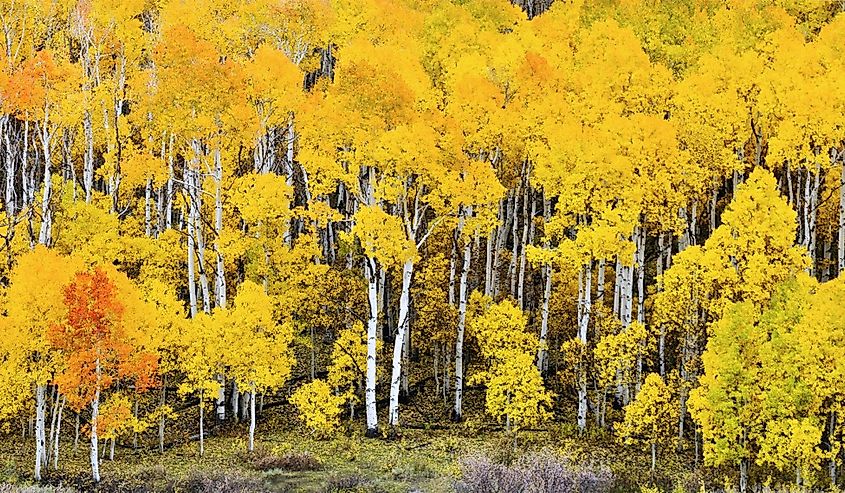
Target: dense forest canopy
[{"x": 623, "y": 214}]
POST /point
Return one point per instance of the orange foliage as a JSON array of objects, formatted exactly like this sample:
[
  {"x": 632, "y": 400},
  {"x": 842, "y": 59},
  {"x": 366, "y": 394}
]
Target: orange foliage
[{"x": 93, "y": 335}]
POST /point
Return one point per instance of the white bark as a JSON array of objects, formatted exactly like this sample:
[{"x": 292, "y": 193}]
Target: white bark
[
  {"x": 542, "y": 351},
  {"x": 45, "y": 232},
  {"x": 58, "y": 434},
  {"x": 583, "y": 324},
  {"x": 95, "y": 415},
  {"x": 202, "y": 419},
  {"x": 488, "y": 266},
  {"x": 501, "y": 233},
  {"x": 192, "y": 286},
  {"x": 9, "y": 163},
  {"x": 372, "y": 339},
  {"x": 40, "y": 446},
  {"x": 161, "y": 421},
  {"x": 459, "y": 343},
  {"x": 252, "y": 421},
  {"x": 401, "y": 334},
  {"x": 168, "y": 213},
  {"x": 527, "y": 230},
  {"x": 841, "y": 239},
  {"x": 88, "y": 157},
  {"x": 25, "y": 184},
  {"x": 148, "y": 225}
]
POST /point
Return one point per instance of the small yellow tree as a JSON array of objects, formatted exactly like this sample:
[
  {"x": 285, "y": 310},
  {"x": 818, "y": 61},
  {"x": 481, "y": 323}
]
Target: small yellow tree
[
  {"x": 258, "y": 350},
  {"x": 319, "y": 408},
  {"x": 515, "y": 391},
  {"x": 348, "y": 366},
  {"x": 651, "y": 416}
]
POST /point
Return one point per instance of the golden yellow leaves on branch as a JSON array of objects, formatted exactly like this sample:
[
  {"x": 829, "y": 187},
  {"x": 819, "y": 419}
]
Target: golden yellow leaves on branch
[
  {"x": 650, "y": 418},
  {"x": 515, "y": 391},
  {"x": 319, "y": 407}
]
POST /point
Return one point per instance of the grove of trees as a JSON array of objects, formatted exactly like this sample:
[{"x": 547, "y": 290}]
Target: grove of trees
[{"x": 622, "y": 214}]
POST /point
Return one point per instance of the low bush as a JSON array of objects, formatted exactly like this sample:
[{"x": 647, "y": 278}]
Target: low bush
[
  {"x": 212, "y": 482},
  {"x": 263, "y": 459},
  {"x": 345, "y": 483},
  {"x": 533, "y": 473},
  {"x": 10, "y": 488}
]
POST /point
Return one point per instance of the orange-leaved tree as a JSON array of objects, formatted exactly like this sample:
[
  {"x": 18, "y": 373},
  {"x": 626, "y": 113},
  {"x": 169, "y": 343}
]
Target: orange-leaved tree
[{"x": 96, "y": 349}]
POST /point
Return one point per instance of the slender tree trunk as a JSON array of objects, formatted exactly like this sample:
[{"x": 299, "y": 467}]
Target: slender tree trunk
[
  {"x": 45, "y": 234},
  {"x": 831, "y": 465},
  {"x": 95, "y": 416},
  {"x": 372, "y": 339},
  {"x": 488, "y": 266},
  {"x": 459, "y": 343},
  {"x": 252, "y": 421},
  {"x": 401, "y": 334},
  {"x": 501, "y": 234},
  {"x": 168, "y": 213},
  {"x": 191, "y": 237},
  {"x": 76, "y": 434},
  {"x": 840, "y": 251},
  {"x": 600, "y": 281},
  {"x": 235, "y": 404},
  {"x": 148, "y": 192},
  {"x": 583, "y": 324},
  {"x": 40, "y": 451},
  {"x": 58, "y": 434},
  {"x": 9, "y": 158},
  {"x": 54, "y": 414},
  {"x": 220, "y": 273},
  {"x": 653, "y": 457},
  {"x": 543, "y": 350},
  {"x": 202, "y": 419},
  {"x": 527, "y": 230},
  {"x": 515, "y": 241},
  {"x": 641, "y": 239},
  {"x": 162, "y": 417},
  {"x": 88, "y": 157},
  {"x": 617, "y": 287},
  {"x": 25, "y": 182},
  {"x": 220, "y": 267}
]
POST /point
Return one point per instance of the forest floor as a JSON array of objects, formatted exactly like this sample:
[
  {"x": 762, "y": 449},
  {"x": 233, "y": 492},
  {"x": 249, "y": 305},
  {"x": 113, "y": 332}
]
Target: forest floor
[
  {"x": 422, "y": 458},
  {"x": 286, "y": 461}
]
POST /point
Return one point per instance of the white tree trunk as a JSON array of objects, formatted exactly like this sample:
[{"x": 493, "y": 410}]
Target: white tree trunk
[
  {"x": 88, "y": 157},
  {"x": 583, "y": 324},
  {"x": 192, "y": 286},
  {"x": 543, "y": 351},
  {"x": 46, "y": 211},
  {"x": 95, "y": 414},
  {"x": 148, "y": 225},
  {"x": 161, "y": 421},
  {"x": 372, "y": 340},
  {"x": 9, "y": 158},
  {"x": 527, "y": 233},
  {"x": 40, "y": 432},
  {"x": 459, "y": 342},
  {"x": 25, "y": 184},
  {"x": 841, "y": 239},
  {"x": 252, "y": 421},
  {"x": 220, "y": 268},
  {"x": 58, "y": 434},
  {"x": 168, "y": 213},
  {"x": 401, "y": 334},
  {"x": 220, "y": 274},
  {"x": 202, "y": 419}
]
